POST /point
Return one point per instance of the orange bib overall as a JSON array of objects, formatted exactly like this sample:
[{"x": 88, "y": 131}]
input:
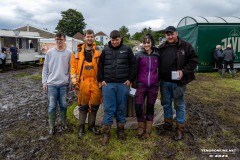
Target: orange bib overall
[{"x": 89, "y": 92}]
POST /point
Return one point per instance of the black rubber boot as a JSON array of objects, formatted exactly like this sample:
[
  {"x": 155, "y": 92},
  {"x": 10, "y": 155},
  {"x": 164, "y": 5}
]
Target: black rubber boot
[
  {"x": 91, "y": 122},
  {"x": 81, "y": 131},
  {"x": 82, "y": 118}
]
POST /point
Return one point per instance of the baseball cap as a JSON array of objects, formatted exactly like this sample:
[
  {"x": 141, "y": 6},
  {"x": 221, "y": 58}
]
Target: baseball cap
[{"x": 170, "y": 29}]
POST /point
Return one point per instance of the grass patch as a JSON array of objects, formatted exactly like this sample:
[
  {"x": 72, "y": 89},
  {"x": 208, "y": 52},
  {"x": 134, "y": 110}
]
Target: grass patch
[
  {"x": 90, "y": 147},
  {"x": 36, "y": 77},
  {"x": 217, "y": 97},
  {"x": 23, "y": 74}
]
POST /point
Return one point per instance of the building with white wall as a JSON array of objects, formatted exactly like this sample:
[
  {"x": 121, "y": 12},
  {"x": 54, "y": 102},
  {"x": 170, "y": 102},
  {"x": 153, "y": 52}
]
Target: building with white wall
[{"x": 102, "y": 37}]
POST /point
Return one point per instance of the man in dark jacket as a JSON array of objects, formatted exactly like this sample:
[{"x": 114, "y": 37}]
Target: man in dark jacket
[
  {"x": 116, "y": 71},
  {"x": 218, "y": 56},
  {"x": 14, "y": 56},
  {"x": 176, "y": 68},
  {"x": 228, "y": 56}
]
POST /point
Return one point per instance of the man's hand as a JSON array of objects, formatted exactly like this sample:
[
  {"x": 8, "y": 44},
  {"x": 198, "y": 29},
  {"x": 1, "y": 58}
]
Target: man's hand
[
  {"x": 127, "y": 83},
  {"x": 104, "y": 83},
  {"x": 180, "y": 74},
  {"x": 99, "y": 84},
  {"x": 45, "y": 87}
]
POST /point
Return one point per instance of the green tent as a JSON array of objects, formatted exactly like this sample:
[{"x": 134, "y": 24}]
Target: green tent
[{"x": 204, "y": 33}]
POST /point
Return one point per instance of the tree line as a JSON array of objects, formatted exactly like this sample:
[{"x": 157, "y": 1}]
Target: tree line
[{"x": 73, "y": 21}]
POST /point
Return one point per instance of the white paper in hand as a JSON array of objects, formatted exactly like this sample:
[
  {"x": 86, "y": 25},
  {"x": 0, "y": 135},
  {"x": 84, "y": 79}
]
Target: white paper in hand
[
  {"x": 132, "y": 92},
  {"x": 175, "y": 75}
]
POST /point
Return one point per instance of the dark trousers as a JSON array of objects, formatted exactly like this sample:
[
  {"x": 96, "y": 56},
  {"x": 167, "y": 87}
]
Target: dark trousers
[
  {"x": 14, "y": 61},
  {"x": 151, "y": 94},
  {"x": 3, "y": 63},
  {"x": 219, "y": 63},
  {"x": 230, "y": 63}
]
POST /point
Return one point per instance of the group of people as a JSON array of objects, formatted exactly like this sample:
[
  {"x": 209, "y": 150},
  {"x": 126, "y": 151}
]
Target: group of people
[
  {"x": 224, "y": 58},
  {"x": 106, "y": 78},
  {"x": 13, "y": 50}
]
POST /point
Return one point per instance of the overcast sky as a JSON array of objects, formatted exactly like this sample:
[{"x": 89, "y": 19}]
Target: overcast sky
[{"x": 107, "y": 15}]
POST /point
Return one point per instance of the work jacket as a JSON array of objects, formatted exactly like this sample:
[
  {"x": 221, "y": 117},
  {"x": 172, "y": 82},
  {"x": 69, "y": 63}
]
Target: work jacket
[
  {"x": 77, "y": 60},
  {"x": 187, "y": 61},
  {"x": 117, "y": 64},
  {"x": 147, "y": 68}
]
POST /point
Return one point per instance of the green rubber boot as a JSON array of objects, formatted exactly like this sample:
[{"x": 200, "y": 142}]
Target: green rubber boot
[
  {"x": 223, "y": 72},
  {"x": 63, "y": 120},
  {"x": 51, "y": 122}
]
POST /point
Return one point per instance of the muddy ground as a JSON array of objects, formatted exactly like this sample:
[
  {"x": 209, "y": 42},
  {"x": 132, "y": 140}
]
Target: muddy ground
[
  {"x": 23, "y": 121},
  {"x": 23, "y": 116}
]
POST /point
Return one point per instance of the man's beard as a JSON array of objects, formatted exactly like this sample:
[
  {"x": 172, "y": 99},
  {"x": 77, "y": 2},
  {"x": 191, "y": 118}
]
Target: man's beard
[{"x": 89, "y": 45}]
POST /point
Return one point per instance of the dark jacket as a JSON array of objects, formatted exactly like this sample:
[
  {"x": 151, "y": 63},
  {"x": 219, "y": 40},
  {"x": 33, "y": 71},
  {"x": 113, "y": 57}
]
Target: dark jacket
[
  {"x": 147, "y": 68},
  {"x": 14, "y": 51},
  {"x": 218, "y": 54},
  {"x": 229, "y": 54},
  {"x": 117, "y": 64},
  {"x": 186, "y": 60}
]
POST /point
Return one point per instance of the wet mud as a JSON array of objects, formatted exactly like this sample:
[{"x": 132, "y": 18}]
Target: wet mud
[{"x": 23, "y": 117}]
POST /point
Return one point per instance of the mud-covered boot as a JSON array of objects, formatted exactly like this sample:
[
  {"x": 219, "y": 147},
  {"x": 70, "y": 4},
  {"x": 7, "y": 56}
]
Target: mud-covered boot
[
  {"x": 168, "y": 124},
  {"x": 220, "y": 71},
  {"x": 120, "y": 131},
  {"x": 82, "y": 118},
  {"x": 106, "y": 134},
  {"x": 91, "y": 122},
  {"x": 51, "y": 122},
  {"x": 81, "y": 131},
  {"x": 179, "y": 132},
  {"x": 148, "y": 131},
  {"x": 233, "y": 72},
  {"x": 141, "y": 129},
  {"x": 63, "y": 120},
  {"x": 223, "y": 72}
]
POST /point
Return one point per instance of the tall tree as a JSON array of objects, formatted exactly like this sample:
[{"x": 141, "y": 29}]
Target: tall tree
[
  {"x": 137, "y": 36},
  {"x": 124, "y": 33},
  {"x": 156, "y": 34},
  {"x": 72, "y": 22},
  {"x": 146, "y": 30}
]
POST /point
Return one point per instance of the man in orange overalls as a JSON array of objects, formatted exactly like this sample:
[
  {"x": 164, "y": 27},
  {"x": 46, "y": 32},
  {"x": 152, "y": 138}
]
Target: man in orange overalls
[{"x": 84, "y": 78}]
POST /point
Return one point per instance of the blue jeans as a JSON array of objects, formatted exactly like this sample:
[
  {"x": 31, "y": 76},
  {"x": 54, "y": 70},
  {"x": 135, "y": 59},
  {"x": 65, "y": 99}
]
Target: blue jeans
[
  {"x": 115, "y": 96},
  {"x": 57, "y": 94},
  {"x": 172, "y": 92}
]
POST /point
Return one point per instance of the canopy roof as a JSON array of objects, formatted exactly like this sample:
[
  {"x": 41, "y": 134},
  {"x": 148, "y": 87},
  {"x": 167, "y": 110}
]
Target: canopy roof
[{"x": 207, "y": 20}]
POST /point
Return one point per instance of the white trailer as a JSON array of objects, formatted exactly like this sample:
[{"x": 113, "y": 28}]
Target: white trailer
[{"x": 27, "y": 43}]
